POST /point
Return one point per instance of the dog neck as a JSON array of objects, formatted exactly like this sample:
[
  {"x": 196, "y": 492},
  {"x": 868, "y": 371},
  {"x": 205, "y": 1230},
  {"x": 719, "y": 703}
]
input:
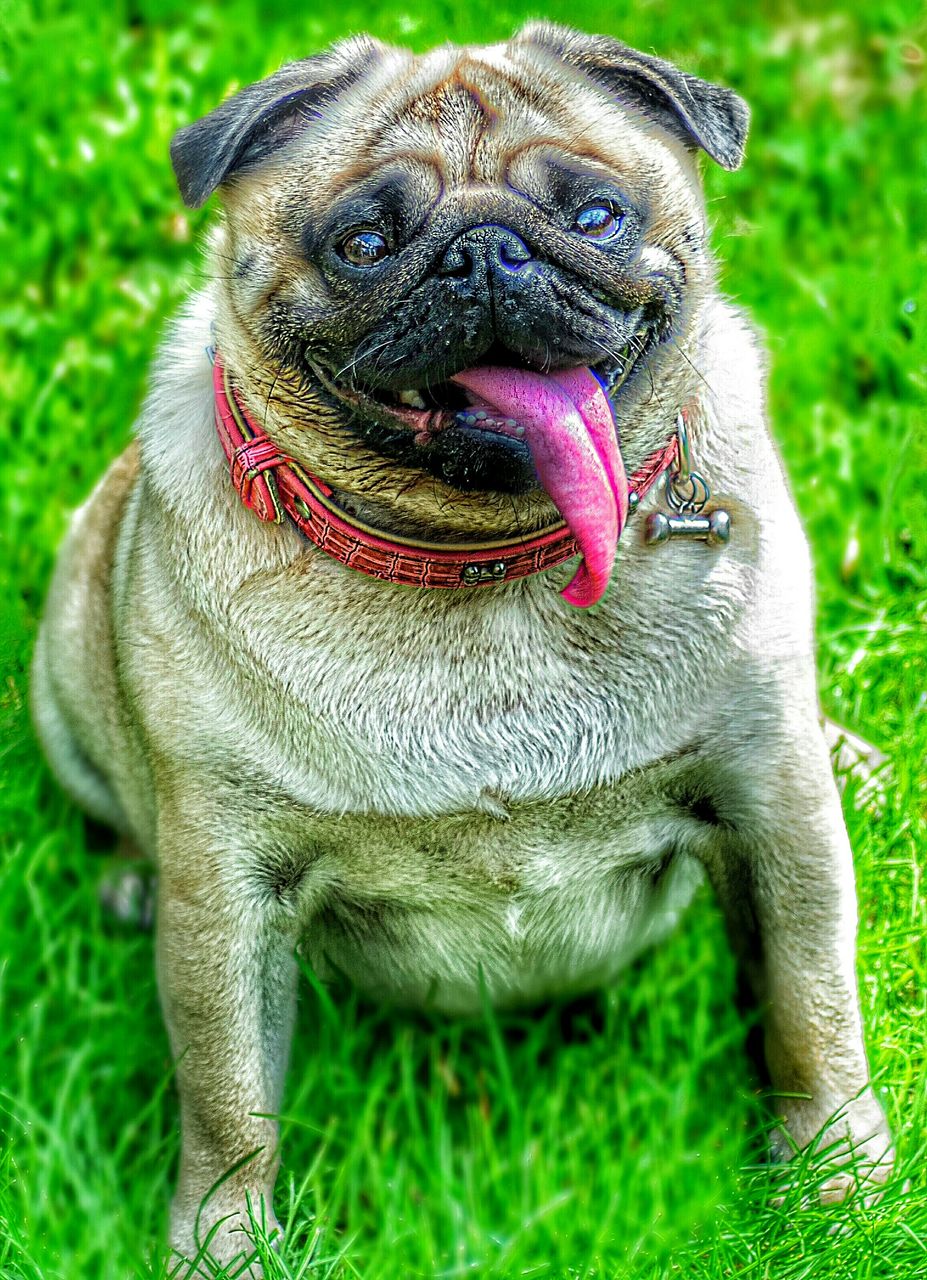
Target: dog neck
[{"x": 276, "y": 487}]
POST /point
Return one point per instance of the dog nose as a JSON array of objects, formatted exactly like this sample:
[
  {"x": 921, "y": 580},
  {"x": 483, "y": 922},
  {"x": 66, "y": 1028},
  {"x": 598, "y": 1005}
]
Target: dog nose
[{"x": 480, "y": 252}]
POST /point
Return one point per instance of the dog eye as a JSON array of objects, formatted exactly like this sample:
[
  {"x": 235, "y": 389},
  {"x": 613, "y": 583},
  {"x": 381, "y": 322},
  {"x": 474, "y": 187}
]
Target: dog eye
[
  {"x": 599, "y": 221},
  {"x": 364, "y": 248}
]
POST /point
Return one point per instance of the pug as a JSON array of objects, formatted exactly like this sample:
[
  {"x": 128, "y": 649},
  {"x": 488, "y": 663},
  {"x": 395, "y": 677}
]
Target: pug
[{"x": 450, "y": 615}]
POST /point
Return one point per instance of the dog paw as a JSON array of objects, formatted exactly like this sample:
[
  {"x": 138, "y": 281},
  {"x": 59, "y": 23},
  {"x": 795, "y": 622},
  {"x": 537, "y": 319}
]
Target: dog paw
[
  {"x": 850, "y": 1154},
  {"x": 226, "y": 1244},
  {"x": 855, "y": 758},
  {"x": 128, "y": 896}
]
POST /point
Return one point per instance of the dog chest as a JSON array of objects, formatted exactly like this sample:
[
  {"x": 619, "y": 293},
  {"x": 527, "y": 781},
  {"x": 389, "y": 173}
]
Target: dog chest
[{"x": 408, "y": 705}]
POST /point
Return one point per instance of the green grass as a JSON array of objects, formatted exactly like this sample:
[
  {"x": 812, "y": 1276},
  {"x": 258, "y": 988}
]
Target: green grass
[{"x": 619, "y": 1138}]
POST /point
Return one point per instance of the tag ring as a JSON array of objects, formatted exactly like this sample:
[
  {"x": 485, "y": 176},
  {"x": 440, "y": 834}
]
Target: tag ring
[{"x": 686, "y": 490}]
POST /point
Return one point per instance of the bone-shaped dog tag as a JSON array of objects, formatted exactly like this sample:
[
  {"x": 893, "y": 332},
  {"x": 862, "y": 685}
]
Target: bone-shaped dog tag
[
  {"x": 715, "y": 529},
  {"x": 687, "y": 493}
]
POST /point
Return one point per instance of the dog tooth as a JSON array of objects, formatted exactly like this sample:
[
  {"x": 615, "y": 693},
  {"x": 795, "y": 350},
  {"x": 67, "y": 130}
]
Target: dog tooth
[{"x": 412, "y": 399}]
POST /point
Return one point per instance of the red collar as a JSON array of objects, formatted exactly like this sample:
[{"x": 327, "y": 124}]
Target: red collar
[{"x": 273, "y": 485}]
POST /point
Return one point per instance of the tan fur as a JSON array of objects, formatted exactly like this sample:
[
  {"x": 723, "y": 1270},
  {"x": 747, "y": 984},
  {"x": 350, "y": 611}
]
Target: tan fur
[
  {"x": 87, "y": 726},
  {"x": 413, "y": 783}
]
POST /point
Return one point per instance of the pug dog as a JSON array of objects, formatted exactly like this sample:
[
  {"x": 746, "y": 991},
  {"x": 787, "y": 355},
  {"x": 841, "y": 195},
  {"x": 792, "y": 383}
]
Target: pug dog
[{"x": 450, "y": 617}]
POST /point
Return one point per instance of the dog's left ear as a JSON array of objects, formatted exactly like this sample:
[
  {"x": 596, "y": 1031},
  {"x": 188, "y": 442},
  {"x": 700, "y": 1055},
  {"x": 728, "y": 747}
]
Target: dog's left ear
[{"x": 703, "y": 114}]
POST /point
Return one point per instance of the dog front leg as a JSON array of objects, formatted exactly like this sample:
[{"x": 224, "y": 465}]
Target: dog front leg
[
  {"x": 783, "y": 871},
  {"x": 227, "y": 976}
]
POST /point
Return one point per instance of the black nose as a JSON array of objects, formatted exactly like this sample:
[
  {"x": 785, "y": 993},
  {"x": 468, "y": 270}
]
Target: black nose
[{"x": 481, "y": 252}]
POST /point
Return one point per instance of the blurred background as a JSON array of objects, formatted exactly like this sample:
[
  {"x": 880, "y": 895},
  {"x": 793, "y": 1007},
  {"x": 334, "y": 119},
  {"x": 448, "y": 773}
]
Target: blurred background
[{"x": 614, "y": 1138}]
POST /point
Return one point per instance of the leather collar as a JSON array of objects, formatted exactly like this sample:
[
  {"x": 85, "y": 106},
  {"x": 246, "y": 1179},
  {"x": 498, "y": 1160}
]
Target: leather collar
[{"x": 274, "y": 486}]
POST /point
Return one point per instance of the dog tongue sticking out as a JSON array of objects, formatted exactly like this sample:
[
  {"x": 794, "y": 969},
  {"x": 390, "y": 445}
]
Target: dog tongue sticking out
[{"x": 569, "y": 429}]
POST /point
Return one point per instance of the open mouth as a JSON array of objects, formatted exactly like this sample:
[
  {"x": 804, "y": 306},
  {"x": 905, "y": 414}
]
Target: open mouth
[
  {"x": 430, "y": 409},
  {"x": 562, "y": 419}
]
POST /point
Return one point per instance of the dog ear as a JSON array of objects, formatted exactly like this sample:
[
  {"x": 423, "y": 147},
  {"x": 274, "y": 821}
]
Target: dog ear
[
  {"x": 257, "y": 121},
  {"x": 704, "y": 115}
]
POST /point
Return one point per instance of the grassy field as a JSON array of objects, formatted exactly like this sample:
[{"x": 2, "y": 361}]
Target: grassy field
[{"x": 619, "y": 1138}]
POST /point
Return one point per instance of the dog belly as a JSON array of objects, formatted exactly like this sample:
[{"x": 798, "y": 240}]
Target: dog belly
[{"x": 519, "y": 951}]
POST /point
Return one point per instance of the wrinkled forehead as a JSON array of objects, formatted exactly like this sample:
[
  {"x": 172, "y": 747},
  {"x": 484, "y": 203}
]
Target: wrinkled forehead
[
  {"x": 480, "y": 116},
  {"x": 471, "y": 113}
]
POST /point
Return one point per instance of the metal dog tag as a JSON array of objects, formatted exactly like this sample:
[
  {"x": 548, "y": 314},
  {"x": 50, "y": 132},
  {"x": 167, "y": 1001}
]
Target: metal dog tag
[{"x": 687, "y": 492}]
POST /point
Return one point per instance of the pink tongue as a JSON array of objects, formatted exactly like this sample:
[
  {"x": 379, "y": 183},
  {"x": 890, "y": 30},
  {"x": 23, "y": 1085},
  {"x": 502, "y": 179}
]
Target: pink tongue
[{"x": 571, "y": 434}]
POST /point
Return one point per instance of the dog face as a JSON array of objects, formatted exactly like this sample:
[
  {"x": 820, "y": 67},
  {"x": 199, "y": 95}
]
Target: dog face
[{"x": 394, "y": 221}]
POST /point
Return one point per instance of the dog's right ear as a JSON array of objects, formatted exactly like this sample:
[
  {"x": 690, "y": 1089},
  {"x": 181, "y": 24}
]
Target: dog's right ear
[{"x": 257, "y": 121}]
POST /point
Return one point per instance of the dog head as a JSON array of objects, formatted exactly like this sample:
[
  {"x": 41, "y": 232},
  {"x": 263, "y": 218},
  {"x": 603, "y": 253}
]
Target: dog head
[{"x": 414, "y": 248}]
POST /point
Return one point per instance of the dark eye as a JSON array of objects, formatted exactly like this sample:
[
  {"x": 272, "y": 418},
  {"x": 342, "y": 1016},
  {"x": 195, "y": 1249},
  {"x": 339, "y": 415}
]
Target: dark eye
[
  {"x": 364, "y": 248},
  {"x": 599, "y": 221}
]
